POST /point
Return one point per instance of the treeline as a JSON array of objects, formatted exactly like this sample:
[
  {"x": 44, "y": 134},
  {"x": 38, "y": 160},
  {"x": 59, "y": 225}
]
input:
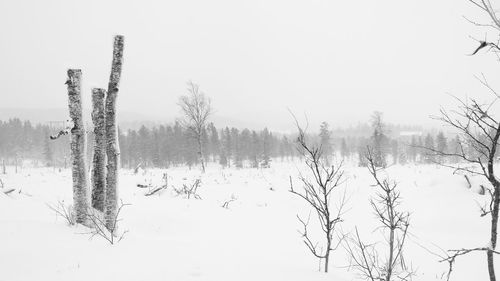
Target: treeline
[
  {"x": 160, "y": 146},
  {"x": 416, "y": 149},
  {"x": 172, "y": 145},
  {"x": 401, "y": 148},
  {"x": 21, "y": 140}
]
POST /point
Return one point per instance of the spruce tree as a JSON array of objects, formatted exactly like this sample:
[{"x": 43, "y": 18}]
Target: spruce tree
[
  {"x": 395, "y": 151},
  {"x": 266, "y": 148},
  {"x": 344, "y": 150},
  {"x": 429, "y": 144},
  {"x": 47, "y": 152},
  {"x": 379, "y": 140},
  {"x": 325, "y": 142},
  {"x": 214, "y": 147},
  {"x": 441, "y": 145}
]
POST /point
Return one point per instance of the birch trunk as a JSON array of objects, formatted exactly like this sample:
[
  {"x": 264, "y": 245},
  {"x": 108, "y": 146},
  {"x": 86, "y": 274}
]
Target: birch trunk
[
  {"x": 99, "y": 158},
  {"x": 78, "y": 146},
  {"x": 200, "y": 151},
  {"x": 112, "y": 146}
]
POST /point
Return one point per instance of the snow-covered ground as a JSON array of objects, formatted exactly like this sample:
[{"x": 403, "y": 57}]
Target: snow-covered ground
[{"x": 256, "y": 238}]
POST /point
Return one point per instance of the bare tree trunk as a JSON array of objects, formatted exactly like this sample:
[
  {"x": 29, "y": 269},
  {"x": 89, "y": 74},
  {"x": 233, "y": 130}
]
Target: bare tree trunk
[
  {"x": 327, "y": 254},
  {"x": 495, "y": 202},
  {"x": 493, "y": 235},
  {"x": 99, "y": 161},
  {"x": 491, "y": 267},
  {"x": 328, "y": 230},
  {"x": 3, "y": 167},
  {"x": 390, "y": 262},
  {"x": 200, "y": 152},
  {"x": 112, "y": 146},
  {"x": 78, "y": 145}
]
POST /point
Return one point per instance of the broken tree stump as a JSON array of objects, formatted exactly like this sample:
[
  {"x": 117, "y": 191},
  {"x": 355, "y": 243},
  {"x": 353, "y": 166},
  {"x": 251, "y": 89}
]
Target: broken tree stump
[
  {"x": 112, "y": 146},
  {"x": 98, "y": 180},
  {"x": 78, "y": 145}
]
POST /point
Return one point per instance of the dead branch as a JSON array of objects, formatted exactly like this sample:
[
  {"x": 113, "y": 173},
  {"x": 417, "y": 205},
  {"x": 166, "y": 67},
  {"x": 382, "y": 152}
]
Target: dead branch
[
  {"x": 136, "y": 170},
  {"x": 6, "y": 191},
  {"x": 485, "y": 6},
  {"x": 469, "y": 185},
  {"x": 9, "y": 191},
  {"x": 60, "y": 133},
  {"x": 227, "y": 202},
  {"x": 158, "y": 189},
  {"x": 189, "y": 191},
  {"x": 450, "y": 259}
]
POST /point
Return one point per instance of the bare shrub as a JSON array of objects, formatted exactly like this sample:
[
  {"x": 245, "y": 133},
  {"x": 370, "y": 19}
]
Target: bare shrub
[
  {"x": 317, "y": 192},
  {"x": 366, "y": 258},
  {"x": 189, "y": 191},
  {"x": 95, "y": 220},
  {"x": 158, "y": 189},
  {"x": 64, "y": 211}
]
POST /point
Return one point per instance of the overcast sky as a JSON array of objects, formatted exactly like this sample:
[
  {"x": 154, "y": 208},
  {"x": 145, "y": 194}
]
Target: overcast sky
[{"x": 335, "y": 60}]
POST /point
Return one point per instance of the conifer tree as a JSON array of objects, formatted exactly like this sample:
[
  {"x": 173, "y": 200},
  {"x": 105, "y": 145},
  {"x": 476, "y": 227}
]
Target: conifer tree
[
  {"x": 255, "y": 150},
  {"x": 429, "y": 145},
  {"x": 379, "y": 140},
  {"x": 325, "y": 142},
  {"x": 266, "y": 148},
  {"x": 344, "y": 150},
  {"x": 47, "y": 152},
  {"x": 441, "y": 145},
  {"x": 214, "y": 141}
]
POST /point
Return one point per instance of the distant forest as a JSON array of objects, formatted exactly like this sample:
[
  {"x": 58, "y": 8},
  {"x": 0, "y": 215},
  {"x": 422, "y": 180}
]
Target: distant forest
[{"x": 171, "y": 145}]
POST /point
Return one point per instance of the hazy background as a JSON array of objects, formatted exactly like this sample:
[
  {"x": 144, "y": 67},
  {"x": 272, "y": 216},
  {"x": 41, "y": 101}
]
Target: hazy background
[{"x": 335, "y": 60}]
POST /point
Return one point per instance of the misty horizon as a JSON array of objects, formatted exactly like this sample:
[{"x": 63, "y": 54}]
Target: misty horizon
[
  {"x": 273, "y": 57},
  {"x": 134, "y": 120}
]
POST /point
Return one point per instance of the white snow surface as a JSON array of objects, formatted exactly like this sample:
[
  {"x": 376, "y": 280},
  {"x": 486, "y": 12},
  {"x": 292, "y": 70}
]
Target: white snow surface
[{"x": 256, "y": 238}]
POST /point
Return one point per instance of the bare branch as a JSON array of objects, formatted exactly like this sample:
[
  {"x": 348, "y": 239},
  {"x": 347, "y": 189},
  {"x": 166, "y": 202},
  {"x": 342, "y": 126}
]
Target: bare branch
[{"x": 316, "y": 191}]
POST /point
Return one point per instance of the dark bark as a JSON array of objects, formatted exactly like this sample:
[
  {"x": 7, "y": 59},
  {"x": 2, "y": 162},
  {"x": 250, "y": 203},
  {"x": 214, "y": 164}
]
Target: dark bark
[
  {"x": 481, "y": 131},
  {"x": 78, "y": 146},
  {"x": 496, "y": 202},
  {"x": 112, "y": 147},
  {"x": 493, "y": 234},
  {"x": 99, "y": 158}
]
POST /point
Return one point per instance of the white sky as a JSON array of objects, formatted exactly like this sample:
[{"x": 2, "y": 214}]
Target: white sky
[{"x": 335, "y": 60}]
